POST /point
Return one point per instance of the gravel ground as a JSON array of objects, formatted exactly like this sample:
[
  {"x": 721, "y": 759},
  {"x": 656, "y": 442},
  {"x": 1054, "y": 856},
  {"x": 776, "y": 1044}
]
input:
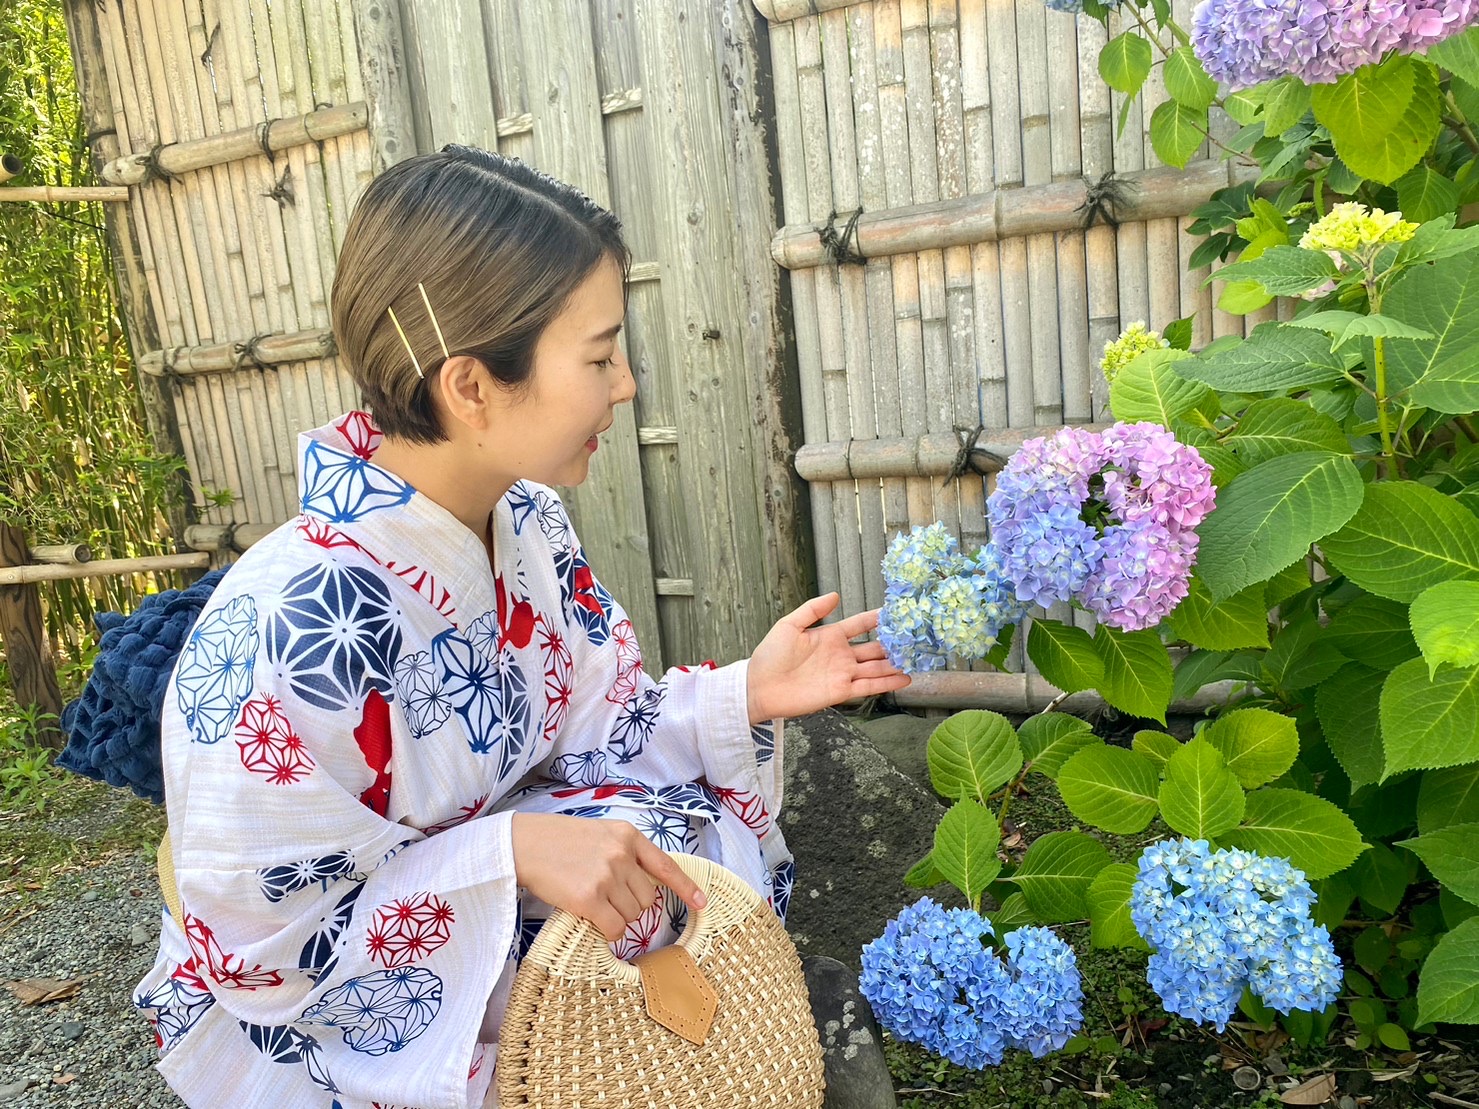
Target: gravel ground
[{"x": 102, "y": 926}]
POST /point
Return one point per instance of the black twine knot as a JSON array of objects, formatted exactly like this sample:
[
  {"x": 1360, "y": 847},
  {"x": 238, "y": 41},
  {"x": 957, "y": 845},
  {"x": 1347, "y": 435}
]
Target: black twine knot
[
  {"x": 246, "y": 352},
  {"x": 153, "y": 168},
  {"x": 1103, "y": 199},
  {"x": 971, "y": 458},
  {"x": 844, "y": 247}
]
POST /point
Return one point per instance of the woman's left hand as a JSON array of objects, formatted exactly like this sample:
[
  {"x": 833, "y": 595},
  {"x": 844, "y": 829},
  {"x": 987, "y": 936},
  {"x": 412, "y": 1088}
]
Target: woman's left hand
[{"x": 802, "y": 666}]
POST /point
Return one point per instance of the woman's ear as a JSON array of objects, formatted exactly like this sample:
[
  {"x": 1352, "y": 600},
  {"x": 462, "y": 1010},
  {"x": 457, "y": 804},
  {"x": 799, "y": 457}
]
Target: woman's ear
[{"x": 464, "y": 391}]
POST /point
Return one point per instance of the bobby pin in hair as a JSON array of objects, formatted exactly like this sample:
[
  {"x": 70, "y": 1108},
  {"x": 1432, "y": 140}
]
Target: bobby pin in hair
[
  {"x": 401, "y": 332},
  {"x": 435, "y": 326}
]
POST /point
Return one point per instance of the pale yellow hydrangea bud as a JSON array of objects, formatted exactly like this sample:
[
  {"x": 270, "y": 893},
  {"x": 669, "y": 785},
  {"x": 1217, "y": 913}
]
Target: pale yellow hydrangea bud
[
  {"x": 1134, "y": 341},
  {"x": 1351, "y": 226}
]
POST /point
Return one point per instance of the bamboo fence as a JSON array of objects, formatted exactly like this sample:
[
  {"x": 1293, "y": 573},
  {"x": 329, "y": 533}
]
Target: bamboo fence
[{"x": 950, "y": 144}]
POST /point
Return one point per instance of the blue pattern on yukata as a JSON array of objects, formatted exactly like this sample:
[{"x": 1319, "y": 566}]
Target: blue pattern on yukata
[
  {"x": 382, "y": 1011},
  {"x": 341, "y": 488},
  {"x": 214, "y": 675},
  {"x": 286, "y": 1044},
  {"x": 493, "y": 700}
]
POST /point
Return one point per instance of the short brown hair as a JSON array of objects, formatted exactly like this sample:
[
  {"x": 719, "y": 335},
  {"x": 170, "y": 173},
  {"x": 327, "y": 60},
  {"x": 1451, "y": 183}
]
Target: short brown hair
[{"x": 497, "y": 247}]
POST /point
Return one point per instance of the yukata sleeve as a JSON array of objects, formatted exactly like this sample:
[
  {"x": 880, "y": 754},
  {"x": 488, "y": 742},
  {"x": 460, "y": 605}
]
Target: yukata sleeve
[
  {"x": 342, "y": 942},
  {"x": 689, "y": 725}
]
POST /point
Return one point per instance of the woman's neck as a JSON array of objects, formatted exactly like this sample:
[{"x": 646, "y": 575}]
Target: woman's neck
[{"x": 439, "y": 471}]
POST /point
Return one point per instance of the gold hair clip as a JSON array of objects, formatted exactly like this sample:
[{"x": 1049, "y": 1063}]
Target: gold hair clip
[
  {"x": 435, "y": 326},
  {"x": 401, "y": 332}
]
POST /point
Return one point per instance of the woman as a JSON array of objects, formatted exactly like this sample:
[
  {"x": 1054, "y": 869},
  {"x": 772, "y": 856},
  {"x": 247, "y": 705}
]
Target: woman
[{"x": 411, "y": 720}]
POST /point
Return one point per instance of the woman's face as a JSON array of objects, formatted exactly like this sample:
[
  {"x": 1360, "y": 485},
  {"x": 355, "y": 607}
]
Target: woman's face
[{"x": 579, "y": 376}]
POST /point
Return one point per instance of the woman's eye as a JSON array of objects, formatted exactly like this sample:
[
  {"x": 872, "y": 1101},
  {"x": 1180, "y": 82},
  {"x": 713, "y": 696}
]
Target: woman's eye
[{"x": 604, "y": 363}]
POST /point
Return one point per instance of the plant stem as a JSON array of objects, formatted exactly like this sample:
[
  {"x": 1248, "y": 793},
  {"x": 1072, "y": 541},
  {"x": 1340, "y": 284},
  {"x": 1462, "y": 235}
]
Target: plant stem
[{"x": 1467, "y": 428}]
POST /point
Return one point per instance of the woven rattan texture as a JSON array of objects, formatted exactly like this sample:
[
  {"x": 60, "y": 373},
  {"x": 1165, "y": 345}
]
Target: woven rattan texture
[{"x": 577, "y": 1041}]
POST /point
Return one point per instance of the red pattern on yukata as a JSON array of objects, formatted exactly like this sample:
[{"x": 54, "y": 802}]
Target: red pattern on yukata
[
  {"x": 220, "y": 966},
  {"x": 640, "y": 932},
  {"x": 373, "y": 737},
  {"x": 747, "y": 806},
  {"x": 516, "y": 620},
  {"x": 268, "y": 744},
  {"x": 360, "y": 433},
  {"x": 464, "y": 814},
  {"x": 628, "y": 663},
  {"x": 559, "y": 671},
  {"x": 409, "y": 929}
]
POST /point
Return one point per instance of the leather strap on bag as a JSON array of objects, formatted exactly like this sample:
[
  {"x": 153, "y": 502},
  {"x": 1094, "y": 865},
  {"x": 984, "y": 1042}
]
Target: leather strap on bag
[{"x": 678, "y": 995}]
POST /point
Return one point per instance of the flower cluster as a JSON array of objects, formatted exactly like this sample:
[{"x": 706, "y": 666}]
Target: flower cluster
[
  {"x": 932, "y": 980},
  {"x": 1105, "y": 519},
  {"x": 938, "y": 602},
  {"x": 1242, "y": 43},
  {"x": 1350, "y": 227},
  {"x": 1222, "y": 920},
  {"x": 1134, "y": 341}
]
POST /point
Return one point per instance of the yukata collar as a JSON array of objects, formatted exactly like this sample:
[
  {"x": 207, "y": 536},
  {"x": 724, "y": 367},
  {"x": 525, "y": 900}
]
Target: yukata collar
[{"x": 345, "y": 498}]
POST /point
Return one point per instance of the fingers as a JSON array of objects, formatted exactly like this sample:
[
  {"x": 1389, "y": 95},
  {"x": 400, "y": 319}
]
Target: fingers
[
  {"x": 813, "y": 611},
  {"x": 660, "y": 865},
  {"x": 859, "y": 623},
  {"x": 879, "y": 668},
  {"x": 872, "y": 687},
  {"x": 867, "y": 652}
]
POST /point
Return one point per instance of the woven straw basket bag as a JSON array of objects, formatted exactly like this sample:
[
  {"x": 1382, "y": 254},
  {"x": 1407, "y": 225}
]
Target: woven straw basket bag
[{"x": 720, "y": 1019}]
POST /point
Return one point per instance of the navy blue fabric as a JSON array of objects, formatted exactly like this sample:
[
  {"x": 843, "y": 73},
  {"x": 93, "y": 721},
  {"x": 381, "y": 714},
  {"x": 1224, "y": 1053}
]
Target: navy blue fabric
[{"x": 113, "y": 728}]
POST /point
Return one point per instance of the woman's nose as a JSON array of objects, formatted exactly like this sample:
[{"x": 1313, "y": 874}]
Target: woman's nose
[{"x": 624, "y": 388}]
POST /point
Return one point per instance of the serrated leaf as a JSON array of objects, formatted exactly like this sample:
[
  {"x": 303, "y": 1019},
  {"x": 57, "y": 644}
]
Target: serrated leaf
[
  {"x": 923, "y": 875},
  {"x": 1443, "y": 299},
  {"x": 973, "y": 754},
  {"x": 1374, "y": 97},
  {"x": 1243, "y": 106},
  {"x": 1424, "y": 195},
  {"x": 1111, "y": 788},
  {"x": 1158, "y": 747},
  {"x": 1238, "y": 298},
  {"x": 1109, "y": 908},
  {"x": 1200, "y": 797},
  {"x": 1437, "y": 239},
  {"x": 1282, "y": 270},
  {"x": 1194, "y": 671},
  {"x": 1405, "y": 539},
  {"x": 1187, "y": 81},
  {"x": 1177, "y": 132},
  {"x": 1178, "y": 332},
  {"x": 1309, "y": 831},
  {"x": 1056, "y": 873},
  {"x": 1382, "y": 117},
  {"x": 1445, "y": 623},
  {"x": 1137, "y": 671},
  {"x": 1447, "y": 797},
  {"x": 1064, "y": 654},
  {"x": 1349, "y": 708},
  {"x": 1239, "y": 621},
  {"x": 1294, "y": 578},
  {"x": 1279, "y": 425},
  {"x": 1273, "y": 358},
  {"x": 1284, "y": 103},
  {"x": 1149, "y": 388},
  {"x": 1050, "y": 739},
  {"x": 965, "y": 848},
  {"x": 1380, "y": 877},
  {"x": 1301, "y": 656},
  {"x": 1429, "y": 722},
  {"x": 1012, "y": 914},
  {"x": 1448, "y": 987},
  {"x": 1374, "y": 631},
  {"x": 1459, "y": 55},
  {"x": 1342, "y": 327},
  {"x": 1125, "y": 61},
  {"x": 1452, "y": 854},
  {"x": 1257, "y": 745},
  {"x": 1267, "y": 518}
]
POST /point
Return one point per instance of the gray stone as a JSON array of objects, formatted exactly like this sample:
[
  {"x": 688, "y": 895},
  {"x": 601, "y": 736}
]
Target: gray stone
[
  {"x": 856, "y": 824},
  {"x": 9, "y": 1090},
  {"x": 72, "y": 1030},
  {"x": 904, "y": 740},
  {"x": 140, "y": 934},
  {"x": 856, "y": 1072}
]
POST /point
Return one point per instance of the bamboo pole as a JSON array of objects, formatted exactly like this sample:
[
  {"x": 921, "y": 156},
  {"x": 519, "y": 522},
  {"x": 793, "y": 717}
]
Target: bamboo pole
[
  {"x": 269, "y": 350},
  {"x": 62, "y": 554},
  {"x": 927, "y": 455},
  {"x": 103, "y": 568},
  {"x": 10, "y": 166},
  {"x": 247, "y": 142},
  {"x": 218, "y": 537},
  {"x": 382, "y": 58},
  {"x": 1024, "y": 693},
  {"x": 60, "y": 194},
  {"x": 32, "y": 672}
]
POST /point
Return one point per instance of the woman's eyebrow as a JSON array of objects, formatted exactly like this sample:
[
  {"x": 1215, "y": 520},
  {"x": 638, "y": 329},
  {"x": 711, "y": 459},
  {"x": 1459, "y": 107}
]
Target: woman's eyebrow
[{"x": 608, "y": 334}]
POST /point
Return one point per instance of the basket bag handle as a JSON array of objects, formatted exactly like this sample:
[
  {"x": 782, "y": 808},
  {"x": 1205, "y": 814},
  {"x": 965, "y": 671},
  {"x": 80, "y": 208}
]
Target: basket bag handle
[{"x": 677, "y": 994}]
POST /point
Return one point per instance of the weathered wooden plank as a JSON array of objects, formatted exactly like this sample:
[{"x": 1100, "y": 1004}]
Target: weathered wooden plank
[
  {"x": 32, "y": 672},
  {"x": 448, "y": 74}
]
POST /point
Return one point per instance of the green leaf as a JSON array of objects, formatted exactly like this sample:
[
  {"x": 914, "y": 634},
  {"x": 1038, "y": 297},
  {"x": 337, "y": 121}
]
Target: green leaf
[
  {"x": 1343, "y": 326},
  {"x": 1284, "y": 103},
  {"x": 1258, "y": 745},
  {"x": 1294, "y": 578},
  {"x": 1429, "y": 722},
  {"x": 1452, "y": 854},
  {"x": 1425, "y": 195},
  {"x": 1049, "y": 739},
  {"x": 1110, "y": 788},
  {"x": 1273, "y": 358},
  {"x": 1437, "y": 239},
  {"x": 1448, "y": 987},
  {"x": 1445, "y": 623},
  {"x": 1381, "y": 879},
  {"x": 1374, "y": 631},
  {"x": 1124, "y": 63},
  {"x": 1064, "y": 654},
  {"x": 923, "y": 875},
  {"x": 1279, "y": 425},
  {"x": 1373, "y": 98},
  {"x": 1200, "y": 797},
  {"x": 1178, "y": 332},
  {"x": 1148, "y": 388},
  {"x": 1267, "y": 518},
  {"x": 1309, "y": 831},
  {"x": 1243, "y": 106},
  {"x": 1349, "y": 705},
  {"x": 1239, "y": 621},
  {"x": 1177, "y": 132},
  {"x": 1194, "y": 671},
  {"x": 1158, "y": 747},
  {"x": 1012, "y": 915},
  {"x": 1447, "y": 797},
  {"x": 1187, "y": 81},
  {"x": 1109, "y": 908},
  {"x": 973, "y": 754},
  {"x": 1137, "y": 671},
  {"x": 1056, "y": 873},
  {"x": 1383, "y": 117},
  {"x": 997, "y": 656},
  {"x": 1455, "y": 909},
  {"x": 1459, "y": 55},
  {"x": 1443, "y": 299},
  {"x": 1300, "y": 657},
  {"x": 1405, "y": 539},
  {"x": 1238, "y": 298},
  {"x": 965, "y": 848},
  {"x": 1282, "y": 270}
]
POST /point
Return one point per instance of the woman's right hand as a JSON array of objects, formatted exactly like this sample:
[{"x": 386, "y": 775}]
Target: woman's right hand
[{"x": 604, "y": 871}]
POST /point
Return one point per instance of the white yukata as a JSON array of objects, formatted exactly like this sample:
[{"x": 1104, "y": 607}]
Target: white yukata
[{"x": 355, "y": 718}]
